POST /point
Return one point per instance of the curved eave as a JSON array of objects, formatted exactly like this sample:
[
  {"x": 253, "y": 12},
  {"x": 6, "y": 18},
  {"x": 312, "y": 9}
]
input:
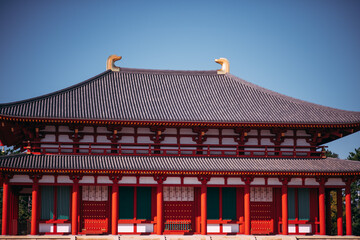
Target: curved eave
[
  {"x": 183, "y": 173},
  {"x": 177, "y": 124}
]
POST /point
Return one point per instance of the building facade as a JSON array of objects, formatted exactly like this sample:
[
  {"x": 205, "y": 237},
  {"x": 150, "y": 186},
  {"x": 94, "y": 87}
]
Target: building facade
[{"x": 134, "y": 151}]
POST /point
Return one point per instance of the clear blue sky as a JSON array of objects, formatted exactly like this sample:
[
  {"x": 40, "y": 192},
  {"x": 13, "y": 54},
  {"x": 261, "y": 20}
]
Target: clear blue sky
[{"x": 308, "y": 49}]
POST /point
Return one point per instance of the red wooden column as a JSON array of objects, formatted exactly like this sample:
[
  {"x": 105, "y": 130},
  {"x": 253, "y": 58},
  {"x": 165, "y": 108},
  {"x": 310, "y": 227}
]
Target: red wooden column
[
  {"x": 284, "y": 205},
  {"x": 348, "y": 208},
  {"x": 322, "y": 213},
  {"x": 160, "y": 203},
  {"x": 35, "y": 205},
  {"x": 5, "y": 207},
  {"x": 75, "y": 204},
  {"x": 339, "y": 205},
  {"x": 247, "y": 222},
  {"x": 115, "y": 204},
  {"x": 203, "y": 209},
  {"x": 203, "y": 204}
]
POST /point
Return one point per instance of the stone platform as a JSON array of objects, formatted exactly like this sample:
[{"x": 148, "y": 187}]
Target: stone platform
[{"x": 178, "y": 237}]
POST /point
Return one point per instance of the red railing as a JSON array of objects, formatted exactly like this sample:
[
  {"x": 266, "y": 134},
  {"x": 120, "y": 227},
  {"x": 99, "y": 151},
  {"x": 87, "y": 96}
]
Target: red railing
[{"x": 148, "y": 149}]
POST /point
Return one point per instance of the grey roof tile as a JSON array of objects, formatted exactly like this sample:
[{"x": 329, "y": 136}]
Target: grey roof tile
[
  {"x": 97, "y": 162},
  {"x": 185, "y": 96}
]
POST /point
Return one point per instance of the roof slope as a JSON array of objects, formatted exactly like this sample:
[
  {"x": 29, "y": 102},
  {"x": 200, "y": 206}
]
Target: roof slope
[
  {"x": 176, "y": 96},
  {"x": 157, "y": 163}
]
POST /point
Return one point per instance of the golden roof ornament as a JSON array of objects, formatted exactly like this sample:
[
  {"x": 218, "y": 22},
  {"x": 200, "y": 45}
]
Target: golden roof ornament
[
  {"x": 110, "y": 63},
  {"x": 225, "y": 65}
]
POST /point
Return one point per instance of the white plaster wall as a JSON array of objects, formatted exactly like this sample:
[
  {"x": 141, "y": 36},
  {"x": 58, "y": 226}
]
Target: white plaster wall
[
  {"x": 49, "y": 129},
  {"x": 64, "y": 179},
  {"x": 127, "y": 130},
  {"x": 88, "y": 139},
  {"x": 266, "y": 141},
  {"x": 125, "y": 228},
  {"x": 88, "y": 129},
  {"x": 288, "y": 142},
  {"x": 87, "y": 179},
  {"x": 48, "y": 138},
  {"x": 191, "y": 180},
  {"x": 64, "y": 129},
  {"x": 47, "y": 179},
  {"x": 211, "y": 140},
  {"x": 173, "y": 180},
  {"x": 216, "y": 181},
  {"x": 128, "y": 180},
  {"x": 230, "y": 228},
  {"x": 302, "y": 142},
  {"x": 258, "y": 181},
  {"x": 64, "y": 138},
  {"x": 170, "y": 131},
  {"x": 302, "y": 133},
  {"x": 104, "y": 180},
  {"x": 127, "y": 139},
  {"x": 228, "y": 132},
  {"x": 147, "y": 180},
  {"x": 101, "y": 139},
  {"x": 292, "y": 228},
  {"x": 21, "y": 179},
  {"x": 145, "y": 227},
  {"x": 252, "y": 141},
  {"x": 289, "y": 133},
  {"x": 186, "y": 131},
  {"x": 235, "y": 181},
  {"x": 46, "y": 227},
  {"x": 144, "y": 130},
  {"x": 274, "y": 181},
  {"x": 311, "y": 182},
  {"x": 335, "y": 182},
  {"x": 229, "y": 141},
  {"x": 266, "y": 132},
  {"x": 63, "y": 227},
  {"x": 213, "y": 228},
  {"x": 295, "y": 181},
  {"x": 186, "y": 140},
  {"x": 144, "y": 140},
  {"x": 102, "y": 130},
  {"x": 170, "y": 140},
  {"x": 305, "y": 228}
]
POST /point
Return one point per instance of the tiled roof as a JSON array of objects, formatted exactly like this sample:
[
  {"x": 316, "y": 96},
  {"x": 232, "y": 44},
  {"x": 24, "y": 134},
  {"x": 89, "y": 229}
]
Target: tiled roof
[
  {"x": 175, "y": 96},
  {"x": 160, "y": 163}
]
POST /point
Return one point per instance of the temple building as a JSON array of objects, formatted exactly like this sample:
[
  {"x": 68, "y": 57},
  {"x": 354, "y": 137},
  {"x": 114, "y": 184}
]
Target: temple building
[{"x": 136, "y": 151}]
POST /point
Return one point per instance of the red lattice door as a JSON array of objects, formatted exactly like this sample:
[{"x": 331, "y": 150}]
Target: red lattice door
[
  {"x": 95, "y": 210},
  {"x": 261, "y": 210},
  {"x": 179, "y": 209}
]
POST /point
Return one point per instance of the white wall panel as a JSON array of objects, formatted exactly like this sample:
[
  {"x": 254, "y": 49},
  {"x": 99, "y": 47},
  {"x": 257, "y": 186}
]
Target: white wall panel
[
  {"x": 104, "y": 179},
  {"x": 230, "y": 228},
  {"x": 274, "y": 181},
  {"x": 48, "y": 138},
  {"x": 46, "y": 227},
  {"x": 49, "y": 129},
  {"x": 125, "y": 228},
  {"x": 216, "y": 181},
  {"x": 147, "y": 180},
  {"x": 64, "y": 179},
  {"x": 128, "y": 180},
  {"x": 235, "y": 181},
  {"x": 21, "y": 179},
  {"x": 295, "y": 181},
  {"x": 191, "y": 180},
  {"x": 311, "y": 182},
  {"x": 335, "y": 182},
  {"x": 47, "y": 179},
  {"x": 258, "y": 181},
  {"x": 292, "y": 228},
  {"x": 145, "y": 227},
  {"x": 173, "y": 180},
  {"x": 228, "y": 132},
  {"x": 63, "y": 227},
  {"x": 87, "y": 179},
  {"x": 305, "y": 228},
  {"x": 213, "y": 228}
]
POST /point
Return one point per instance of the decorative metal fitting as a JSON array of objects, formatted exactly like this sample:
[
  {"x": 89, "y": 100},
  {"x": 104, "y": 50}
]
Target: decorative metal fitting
[
  {"x": 225, "y": 65},
  {"x": 110, "y": 63}
]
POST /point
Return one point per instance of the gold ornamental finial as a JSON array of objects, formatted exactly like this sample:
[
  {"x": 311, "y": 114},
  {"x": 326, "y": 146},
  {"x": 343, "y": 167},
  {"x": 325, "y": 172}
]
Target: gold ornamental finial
[
  {"x": 225, "y": 65},
  {"x": 110, "y": 63}
]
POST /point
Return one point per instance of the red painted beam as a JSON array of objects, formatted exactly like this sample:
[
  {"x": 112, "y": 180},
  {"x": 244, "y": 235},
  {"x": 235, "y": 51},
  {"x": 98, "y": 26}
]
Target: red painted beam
[
  {"x": 339, "y": 204},
  {"x": 5, "y": 208},
  {"x": 348, "y": 208}
]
